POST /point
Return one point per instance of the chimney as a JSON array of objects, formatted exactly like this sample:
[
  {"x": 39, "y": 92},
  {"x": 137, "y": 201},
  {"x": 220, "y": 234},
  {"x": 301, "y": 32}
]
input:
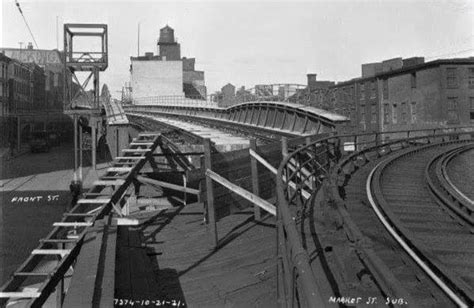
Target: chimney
[
  {"x": 311, "y": 78},
  {"x": 30, "y": 45}
]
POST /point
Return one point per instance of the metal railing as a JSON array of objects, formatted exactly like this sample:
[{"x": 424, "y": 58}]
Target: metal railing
[{"x": 307, "y": 162}]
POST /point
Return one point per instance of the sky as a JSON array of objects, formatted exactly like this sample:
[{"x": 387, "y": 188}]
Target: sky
[{"x": 259, "y": 42}]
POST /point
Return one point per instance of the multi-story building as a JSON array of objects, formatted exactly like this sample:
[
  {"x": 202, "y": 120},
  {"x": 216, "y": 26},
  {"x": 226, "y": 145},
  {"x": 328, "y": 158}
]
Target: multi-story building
[
  {"x": 50, "y": 62},
  {"x": 165, "y": 76},
  {"x": 20, "y": 88},
  {"x": 4, "y": 100},
  {"x": 401, "y": 94},
  {"x": 31, "y": 93}
]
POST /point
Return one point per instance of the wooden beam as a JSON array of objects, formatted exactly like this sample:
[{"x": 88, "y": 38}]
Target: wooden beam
[
  {"x": 130, "y": 157},
  {"x": 254, "y": 173},
  {"x": 72, "y": 224},
  {"x": 125, "y": 221},
  {"x": 167, "y": 185},
  {"x": 108, "y": 183},
  {"x": 119, "y": 169},
  {"x": 25, "y": 294},
  {"x": 61, "y": 252},
  {"x": 211, "y": 214},
  {"x": 263, "y": 161},
  {"x": 135, "y": 150},
  {"x": 267, "y": 206},
  {"x": 78, "y": 215},
  {"x": 93, "y": 201}
]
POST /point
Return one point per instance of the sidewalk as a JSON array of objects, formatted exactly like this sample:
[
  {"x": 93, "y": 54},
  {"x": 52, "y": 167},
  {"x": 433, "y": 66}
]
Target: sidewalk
[{"x": 5, "y": 154}]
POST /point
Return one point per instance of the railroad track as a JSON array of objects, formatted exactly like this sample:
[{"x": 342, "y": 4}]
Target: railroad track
[
  {"x": 436, "y": 263},
  {"x": 443, "y": 188}
]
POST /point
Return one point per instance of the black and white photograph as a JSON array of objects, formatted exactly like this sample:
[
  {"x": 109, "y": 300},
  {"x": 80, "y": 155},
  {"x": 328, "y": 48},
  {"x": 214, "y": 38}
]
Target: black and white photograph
[{"x": 205, "y": 153}]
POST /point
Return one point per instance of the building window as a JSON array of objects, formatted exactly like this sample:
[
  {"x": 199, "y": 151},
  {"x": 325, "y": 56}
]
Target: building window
[
  {"x": 394, "y": 113},
  {"x": 453, "y": 115},
  {"x": 471, "y": 78},
  {"x": 362, "y": 113},
  {"x": 362, "y": 92},
  {"x": 451, "y": 78},
  {"x": 373, "y": 90},
  {"x": 385, "y": 88},
  {"x": 413, "y": 112},
  {"x": 55, "y": 80},
  {"x": 413, "y": 80},
  {"x": 471, "y": 111},
  {"x": 373, "y": 113},
  {"x": 385, "y": 114},
  {"x": 404, "y": 113}
]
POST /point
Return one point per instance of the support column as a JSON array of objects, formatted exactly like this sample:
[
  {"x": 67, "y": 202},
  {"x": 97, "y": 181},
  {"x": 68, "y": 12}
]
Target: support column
[
  {"x": 80, "y": 154},
  {"x": 211, "y": 215},
  {"x": 254, "y": 173},
  {"x": 75, "y": 149},
  {"x": 94, "y": 145}
]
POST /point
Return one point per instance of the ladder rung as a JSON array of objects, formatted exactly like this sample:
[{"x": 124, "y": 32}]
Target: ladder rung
[
  {"x": 93, "y": 201},
  {"x": 78, "y": 214},
  {"x": 130, "y": 157},
  {"x": 61, "y": 252},
  {"x": 135, "y": 150},
  {"x": 141, "y": 143},
  {"x": 72, "y": 224},
  {"x": 108, "y": 182},
  {"x": 58, "y": 240},
  {"x": 73, "y": 236},
  {"x": 148, "y": 134},
  {"x": 119, "y": 169},
  {"x": 31, "y": 274},
  {"x": 26, "y": 294}
]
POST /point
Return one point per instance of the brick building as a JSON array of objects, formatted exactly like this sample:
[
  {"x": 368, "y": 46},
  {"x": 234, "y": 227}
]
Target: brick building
[
  {"x": 31, "y": 94},
  {"x": 400, "y": 94},
  {"x": 166, "y": 75}
]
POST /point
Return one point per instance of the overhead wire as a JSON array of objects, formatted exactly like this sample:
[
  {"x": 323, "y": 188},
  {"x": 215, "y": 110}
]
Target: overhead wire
[{"x": 26, "y": 22}]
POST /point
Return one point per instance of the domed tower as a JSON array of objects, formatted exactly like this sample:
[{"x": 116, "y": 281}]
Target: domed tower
[{"x": 168, "y": 48}]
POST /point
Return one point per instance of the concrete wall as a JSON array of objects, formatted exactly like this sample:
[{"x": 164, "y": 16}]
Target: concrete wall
[{"x": 156, "y": 78}]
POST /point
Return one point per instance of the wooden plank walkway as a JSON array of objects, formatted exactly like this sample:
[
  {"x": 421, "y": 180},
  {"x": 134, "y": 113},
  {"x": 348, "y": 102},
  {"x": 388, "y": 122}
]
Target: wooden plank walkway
[{"x": 170, "y": 257}]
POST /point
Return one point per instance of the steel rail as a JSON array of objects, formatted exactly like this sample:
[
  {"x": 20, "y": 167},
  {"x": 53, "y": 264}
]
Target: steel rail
[
  {"x": 446, "y": 191},
  {"x": 450, "y": 182},
  {"x": 401, "y": 238},
  {"x": 372, "y": 261}
]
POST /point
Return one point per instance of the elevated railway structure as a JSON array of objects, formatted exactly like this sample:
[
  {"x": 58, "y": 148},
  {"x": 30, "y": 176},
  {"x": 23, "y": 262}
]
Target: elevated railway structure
[
  {"x": 279, "y": 118},
  {"x": 317, "y": 192}
]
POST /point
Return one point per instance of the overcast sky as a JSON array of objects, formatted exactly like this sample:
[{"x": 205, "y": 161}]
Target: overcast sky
[{"x": 248, "y": 43}]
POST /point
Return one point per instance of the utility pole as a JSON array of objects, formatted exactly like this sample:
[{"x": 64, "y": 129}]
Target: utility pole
[
  {"x": 57, "y": 32},
  {"x": 138, "y": 39}
]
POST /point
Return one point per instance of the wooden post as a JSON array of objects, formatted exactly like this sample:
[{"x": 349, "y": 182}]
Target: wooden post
[
  {"x": 185, "y": 183},
  {"x": 94, "y": 144},
  {"x": 75, "y": 150},
  {"x": 254, "y": 170},
  {"x": 210, "y": 192},
  {"x": 80, "y": 153}
]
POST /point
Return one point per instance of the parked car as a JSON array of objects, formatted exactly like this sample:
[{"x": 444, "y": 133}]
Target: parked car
[
  {"x": 40, "y": 142},
  {"x": 54, "y": 137}
]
